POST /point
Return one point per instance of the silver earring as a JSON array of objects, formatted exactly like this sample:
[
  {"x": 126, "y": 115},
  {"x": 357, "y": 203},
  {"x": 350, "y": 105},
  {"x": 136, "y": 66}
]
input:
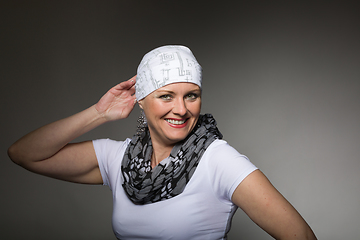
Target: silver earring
[{"x": 142, "y": 123}]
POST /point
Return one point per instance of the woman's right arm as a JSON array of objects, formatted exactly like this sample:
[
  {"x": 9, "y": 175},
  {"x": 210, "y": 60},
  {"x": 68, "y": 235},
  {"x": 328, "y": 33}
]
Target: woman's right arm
[{"x": 47, "y": 150}]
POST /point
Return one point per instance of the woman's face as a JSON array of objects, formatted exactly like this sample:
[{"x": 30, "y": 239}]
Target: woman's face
[{"x": 172, "y": 112}]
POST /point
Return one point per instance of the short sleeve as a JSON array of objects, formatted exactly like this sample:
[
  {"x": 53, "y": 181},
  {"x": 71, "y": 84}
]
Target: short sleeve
[
  {"x": 109, "y": 154},
  {"x": 227, "y": 168}
]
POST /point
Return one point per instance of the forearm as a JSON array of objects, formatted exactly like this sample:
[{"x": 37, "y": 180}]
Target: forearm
[
  {"x": 300, "y": 230},
  {"x": 49, "y": 139}
]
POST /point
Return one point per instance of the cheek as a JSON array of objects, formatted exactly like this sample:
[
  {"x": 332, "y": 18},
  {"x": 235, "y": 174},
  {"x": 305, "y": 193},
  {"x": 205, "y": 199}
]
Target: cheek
[
  {"x": 195, "y": 108},
  {"x": 156, "y": 109}
]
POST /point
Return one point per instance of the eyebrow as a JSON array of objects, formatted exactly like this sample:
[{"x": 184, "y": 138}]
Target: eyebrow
[{"x": 169, "y": 91}]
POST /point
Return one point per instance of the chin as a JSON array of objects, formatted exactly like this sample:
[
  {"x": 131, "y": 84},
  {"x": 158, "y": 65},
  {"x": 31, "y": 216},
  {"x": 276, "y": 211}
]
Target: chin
[{"x": 177, "y": 138}]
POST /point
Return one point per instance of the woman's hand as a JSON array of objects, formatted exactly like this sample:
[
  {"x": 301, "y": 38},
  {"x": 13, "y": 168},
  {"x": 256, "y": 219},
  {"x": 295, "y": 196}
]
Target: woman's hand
[{"x": 118, "y": 102}]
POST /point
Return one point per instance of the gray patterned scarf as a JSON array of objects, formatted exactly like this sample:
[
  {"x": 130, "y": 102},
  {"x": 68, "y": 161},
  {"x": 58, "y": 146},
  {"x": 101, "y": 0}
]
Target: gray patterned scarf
[{"x": 145, "y": 185}]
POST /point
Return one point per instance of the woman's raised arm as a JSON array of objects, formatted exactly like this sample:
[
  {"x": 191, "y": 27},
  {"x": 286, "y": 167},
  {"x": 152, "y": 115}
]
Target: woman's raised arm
[{"x": 47, "y": 150}]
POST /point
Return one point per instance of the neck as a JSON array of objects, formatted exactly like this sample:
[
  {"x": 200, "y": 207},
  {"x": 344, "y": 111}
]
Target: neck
[{"x": 159, "y": 153}]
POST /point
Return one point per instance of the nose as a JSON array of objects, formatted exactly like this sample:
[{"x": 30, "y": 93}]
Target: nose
[{"x": 179, "y": 107}]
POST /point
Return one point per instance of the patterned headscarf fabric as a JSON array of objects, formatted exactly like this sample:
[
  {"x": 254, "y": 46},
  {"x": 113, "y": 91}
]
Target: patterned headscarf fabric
[
  {"x": 165, "y": 65},
  {"x": 144, "y": 185}
]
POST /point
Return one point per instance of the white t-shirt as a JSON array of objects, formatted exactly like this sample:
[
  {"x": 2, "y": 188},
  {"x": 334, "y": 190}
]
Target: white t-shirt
[{"x": 202, "y": 211}]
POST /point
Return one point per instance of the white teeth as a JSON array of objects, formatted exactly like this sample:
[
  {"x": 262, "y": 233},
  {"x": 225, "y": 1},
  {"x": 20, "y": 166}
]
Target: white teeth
[{"x": 176, "y": 122}]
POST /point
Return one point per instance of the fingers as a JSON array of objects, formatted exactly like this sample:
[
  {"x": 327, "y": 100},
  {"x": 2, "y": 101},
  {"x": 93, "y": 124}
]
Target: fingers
[
  {"x": 131, "y": 82},
  {"x": 127, "y": 85},
  {"x": 133, "y": 79},
  {"x": 132, "y": 90},
  {"x": 132, "y": 87}
]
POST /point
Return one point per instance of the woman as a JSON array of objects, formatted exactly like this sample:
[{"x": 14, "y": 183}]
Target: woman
[{"x": 176, "y": 178}]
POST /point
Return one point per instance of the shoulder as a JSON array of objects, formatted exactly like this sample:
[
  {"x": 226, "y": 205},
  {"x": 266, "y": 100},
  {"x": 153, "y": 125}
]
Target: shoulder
[
  {"x": 220, "y": 152},
  {"x": 226, "y": 167},
  {"x": 109, "y": 144},
  {"x": 109, "y": 154},
  {"x": 108, "y": 149}
]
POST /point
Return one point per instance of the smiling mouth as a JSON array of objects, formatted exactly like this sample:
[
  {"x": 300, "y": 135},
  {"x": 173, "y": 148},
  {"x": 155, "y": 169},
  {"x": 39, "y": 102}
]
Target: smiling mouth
[{"x": 176, "y": 122}]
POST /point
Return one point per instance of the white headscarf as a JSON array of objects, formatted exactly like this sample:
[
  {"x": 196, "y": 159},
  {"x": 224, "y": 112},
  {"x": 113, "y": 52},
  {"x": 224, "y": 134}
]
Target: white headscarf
[{"x": 166, "y": 65}]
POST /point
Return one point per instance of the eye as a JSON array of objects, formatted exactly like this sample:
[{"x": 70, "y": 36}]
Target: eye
[
  {"x": 166, "y": 97},
  {"x": 191, "y": 96}
]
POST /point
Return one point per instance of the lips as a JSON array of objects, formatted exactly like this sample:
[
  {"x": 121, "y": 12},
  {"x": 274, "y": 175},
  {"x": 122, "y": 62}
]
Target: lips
[{"x": 177, "y": 123}]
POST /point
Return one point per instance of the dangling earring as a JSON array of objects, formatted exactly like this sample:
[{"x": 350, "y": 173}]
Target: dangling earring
[{"x": 142, "y": 123}]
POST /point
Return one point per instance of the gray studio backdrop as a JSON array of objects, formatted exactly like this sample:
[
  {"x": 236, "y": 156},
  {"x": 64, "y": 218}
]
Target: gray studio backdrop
[{"x": 282, "y": 80}]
